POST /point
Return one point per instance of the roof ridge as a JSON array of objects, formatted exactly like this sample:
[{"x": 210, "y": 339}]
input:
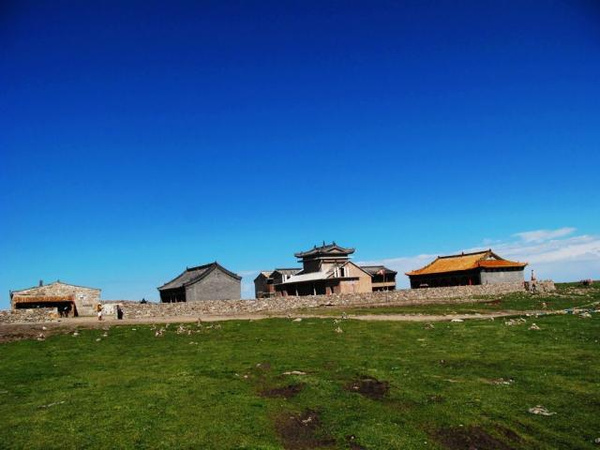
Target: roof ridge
[
  {"x": 54, "y": 282},
  {"x": 467, "y": 254}
]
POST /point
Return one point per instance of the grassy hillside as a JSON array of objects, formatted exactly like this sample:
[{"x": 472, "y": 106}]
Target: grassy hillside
[{"x": 357, "y": 385}]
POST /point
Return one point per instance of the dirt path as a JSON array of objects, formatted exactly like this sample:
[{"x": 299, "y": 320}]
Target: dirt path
[{"x": 18, "y": 331}]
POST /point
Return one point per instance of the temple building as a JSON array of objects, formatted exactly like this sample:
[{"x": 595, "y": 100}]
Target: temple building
[
  {"x": 207, "y": 282},
  {"x": 68, "y": 300},
  {"x": 326, "y": 270},
  {"x": 484, "y": 267}
]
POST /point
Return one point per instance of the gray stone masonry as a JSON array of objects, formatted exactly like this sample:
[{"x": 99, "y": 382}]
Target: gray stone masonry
[
  {"x": 135, "y": 310},
  {"x": 217, "y": 285},
  {"x": 506, "y": 276}
]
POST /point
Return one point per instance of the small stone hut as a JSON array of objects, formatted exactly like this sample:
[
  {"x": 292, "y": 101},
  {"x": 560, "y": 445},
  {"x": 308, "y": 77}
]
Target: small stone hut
[
  {"x": 484, "y": 267},
  {"x": 207, "y": 282},
  {"x": 66, "y": 299}
]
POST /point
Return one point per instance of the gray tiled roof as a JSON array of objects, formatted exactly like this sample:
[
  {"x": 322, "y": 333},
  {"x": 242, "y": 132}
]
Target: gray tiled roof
[
  {"x": 288, "y": 271},
  {"x": 372, "y": 270},
  {"x": 193, "y": 274},
  {"x": 331, "y": 249}
]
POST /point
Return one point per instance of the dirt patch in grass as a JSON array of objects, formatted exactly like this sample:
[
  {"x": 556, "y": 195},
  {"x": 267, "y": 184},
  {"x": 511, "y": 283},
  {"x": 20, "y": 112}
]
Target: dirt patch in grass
[
  {"x": 468, "y": 438},
  {"x": 436, "y": 398},
  {"x": 263, "y": 366},
  {"x": 288, "y": 391},
  {"x": 508, "y": 433},
  {"x": 369, "y": 387},
  {"x": 302, "y": 431},
  {"x": 352, "y": 444},
  {"x": 19, "y": 332}
]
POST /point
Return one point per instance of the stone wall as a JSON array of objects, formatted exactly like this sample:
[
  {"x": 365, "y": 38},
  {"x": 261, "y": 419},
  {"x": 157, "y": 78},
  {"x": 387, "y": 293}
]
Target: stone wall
[
  {"x": 290, "y": 303},
  {"x": 136, "y": 310},
  {"x": 29, "y": 315},
  {"x": 502, "y": 276}
]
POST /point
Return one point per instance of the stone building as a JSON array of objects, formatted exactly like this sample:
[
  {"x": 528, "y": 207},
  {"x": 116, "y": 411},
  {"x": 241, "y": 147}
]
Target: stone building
[
  {"x": 264, "y": 283},
  {"x": 66, "y": 299},
  {"x": 325, "y": 270},
  {"x": 484, "y": 267},
  {"x": 382, "y": 278},
  {"x": 207, "y": 282}
]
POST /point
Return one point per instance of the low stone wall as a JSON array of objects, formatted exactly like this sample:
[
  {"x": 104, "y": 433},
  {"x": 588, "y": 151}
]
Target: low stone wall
[
  {"x": 286, "y": 304},
  {"x": 135, "y": 310},
  {"x": 29, "y": 315}
]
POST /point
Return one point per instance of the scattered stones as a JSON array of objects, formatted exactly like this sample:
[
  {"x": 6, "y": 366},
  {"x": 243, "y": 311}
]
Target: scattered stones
[
  {"x": 299, "y": 319},
  {"x": 534, "y": 327},
  {"x": 585, "y": 315},
  {"x": 75, "y": 334},
  {"x": 540, "y": 410},
  {"x": 429, "y": 326},
  {"x": 457, "y": 320},
  {"x": 41, "y": 336},
  {"x": 513, "y": 322},
  {"x": 502, "y": 382},
  {"x": 294, "y": 372},
  {"x": 49, "y": 405},
  {"x": 339, "y": 330}
]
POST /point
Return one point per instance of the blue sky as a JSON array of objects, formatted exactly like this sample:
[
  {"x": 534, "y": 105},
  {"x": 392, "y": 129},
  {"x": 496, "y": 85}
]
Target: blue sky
[{"x": 138, "y": 138}]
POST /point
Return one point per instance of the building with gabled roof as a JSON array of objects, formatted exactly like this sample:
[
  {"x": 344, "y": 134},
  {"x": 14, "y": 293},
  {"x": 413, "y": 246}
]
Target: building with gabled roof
[
  {"x": 264, "y": 283},
  {"x": 68, "y": 300},
  {"x": 382, "y": 278},
  {"x": 207, "y": 282},
  {"x": 483, "y": 267}
]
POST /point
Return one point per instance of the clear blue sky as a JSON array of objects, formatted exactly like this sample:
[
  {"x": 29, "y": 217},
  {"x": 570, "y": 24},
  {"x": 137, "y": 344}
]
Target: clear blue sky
[{"x": 137, "y": 138}]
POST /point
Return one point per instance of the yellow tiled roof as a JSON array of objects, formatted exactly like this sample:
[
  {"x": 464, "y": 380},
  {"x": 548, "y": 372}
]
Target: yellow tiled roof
[{"x": 465, "y": 261}]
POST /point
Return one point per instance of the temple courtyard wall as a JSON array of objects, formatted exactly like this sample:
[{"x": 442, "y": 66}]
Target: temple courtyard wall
[{"x": 278, "y": 305}]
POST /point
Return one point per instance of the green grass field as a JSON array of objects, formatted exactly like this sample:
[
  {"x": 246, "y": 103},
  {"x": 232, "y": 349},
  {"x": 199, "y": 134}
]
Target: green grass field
[{"x": 375, "y": 385}]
